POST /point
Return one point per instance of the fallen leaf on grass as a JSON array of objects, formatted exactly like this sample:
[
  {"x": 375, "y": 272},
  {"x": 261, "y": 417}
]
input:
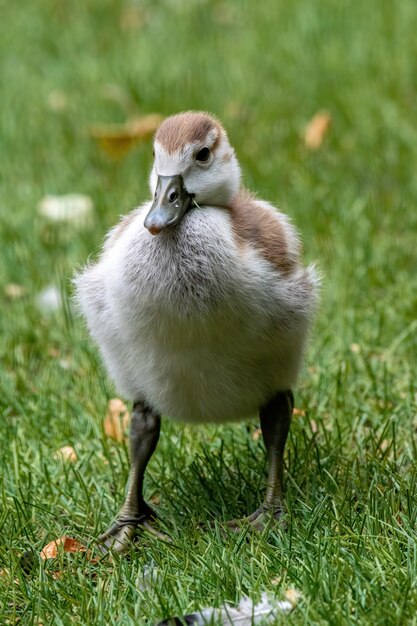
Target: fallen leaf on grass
[
  {"x": 66, "y": 544},
  {"x": 293, "y": 596},
  {"x": 14, "y": 291},
  {"x": 74, "y": 208},
  {"x": 316, "y": 130},
  {"x": 117, "y": 420},
  {"x": 117, "y": 139},
  {"x": 299, "y": 412},
  {"x": 66, "y": 453}
]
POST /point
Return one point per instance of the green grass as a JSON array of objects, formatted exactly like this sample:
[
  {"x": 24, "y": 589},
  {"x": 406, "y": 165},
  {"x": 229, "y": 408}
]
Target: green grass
[{"x": 264, "y": 69}]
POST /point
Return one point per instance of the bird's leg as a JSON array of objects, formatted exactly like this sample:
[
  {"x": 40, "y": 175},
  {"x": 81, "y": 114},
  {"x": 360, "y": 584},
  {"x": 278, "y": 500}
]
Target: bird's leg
[
  {"x": 275, "y": 424},
  {"x": 144, "y": 434}
]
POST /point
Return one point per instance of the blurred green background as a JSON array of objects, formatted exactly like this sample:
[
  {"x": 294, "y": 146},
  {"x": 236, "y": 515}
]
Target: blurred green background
[{"x": 265, "y": 69}]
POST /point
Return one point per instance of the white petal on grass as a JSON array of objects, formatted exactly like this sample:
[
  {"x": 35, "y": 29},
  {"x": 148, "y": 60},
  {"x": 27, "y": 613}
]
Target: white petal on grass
[
  {"x": 74, "y": 208},
  {"x": 49, "y": 299}
]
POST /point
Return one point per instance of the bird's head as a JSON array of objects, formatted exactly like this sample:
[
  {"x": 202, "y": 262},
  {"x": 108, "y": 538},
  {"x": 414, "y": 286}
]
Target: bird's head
[{"x": 194, "y": 164}]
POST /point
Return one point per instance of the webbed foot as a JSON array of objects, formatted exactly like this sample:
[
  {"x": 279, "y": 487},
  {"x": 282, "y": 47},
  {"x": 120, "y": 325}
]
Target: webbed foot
[
  {"x": 260, "y": 519},
  {"x": 121, "y": 535},
  {"x": 275, "y": 424}
]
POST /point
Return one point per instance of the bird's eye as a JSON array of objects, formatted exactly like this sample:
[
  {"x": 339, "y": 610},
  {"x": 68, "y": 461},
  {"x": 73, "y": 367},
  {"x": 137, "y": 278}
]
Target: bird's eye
[{"x": 203, "y": 155}]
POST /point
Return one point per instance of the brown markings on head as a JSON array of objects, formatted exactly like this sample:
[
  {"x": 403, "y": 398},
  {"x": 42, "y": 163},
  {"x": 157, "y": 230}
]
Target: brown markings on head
[
  {"x": 255, "y": 225},
  {"x": 189, "y": 127}
]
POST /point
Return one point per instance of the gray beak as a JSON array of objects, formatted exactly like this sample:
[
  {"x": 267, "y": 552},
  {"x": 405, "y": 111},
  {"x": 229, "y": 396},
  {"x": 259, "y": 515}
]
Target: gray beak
[{"x": 171, "y": 202}]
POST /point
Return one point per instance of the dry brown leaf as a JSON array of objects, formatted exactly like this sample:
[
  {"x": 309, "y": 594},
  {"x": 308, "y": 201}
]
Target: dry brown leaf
[
  {"x": 67, "y": 544},
  {"x": 256, "y": 434},
  {"x": 117, "y": 139},
  {"x": 317, "y": 129},
  {"x": 67, "y": 454},
  {"x": 155, "y": 499},
  {"x": 117, "y": 420},
  {"x": 14, "y": 291},
  {"x": 299, "y": 412}
]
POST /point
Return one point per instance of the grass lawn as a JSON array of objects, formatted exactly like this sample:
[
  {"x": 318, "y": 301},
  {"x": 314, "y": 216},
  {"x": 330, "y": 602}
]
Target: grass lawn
[{"x": 265, "y": 69}]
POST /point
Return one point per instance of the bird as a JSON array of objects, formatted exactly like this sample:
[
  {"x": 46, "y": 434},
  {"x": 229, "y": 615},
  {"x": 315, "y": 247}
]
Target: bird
[{"x": 201, "y": 309}]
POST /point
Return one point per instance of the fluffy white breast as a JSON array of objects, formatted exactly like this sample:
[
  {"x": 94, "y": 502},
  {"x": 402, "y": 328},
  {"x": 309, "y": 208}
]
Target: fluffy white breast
[{"x": 193, "y": 324}]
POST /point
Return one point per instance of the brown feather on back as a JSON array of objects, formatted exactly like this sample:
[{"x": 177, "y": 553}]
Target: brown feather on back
[{"x": 253, "y": 224}]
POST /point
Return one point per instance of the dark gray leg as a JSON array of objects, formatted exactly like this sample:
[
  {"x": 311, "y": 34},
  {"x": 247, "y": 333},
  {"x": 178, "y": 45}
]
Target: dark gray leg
[
  {"x": 275, "y": 424},
  {"x": 144, "y": 434}
]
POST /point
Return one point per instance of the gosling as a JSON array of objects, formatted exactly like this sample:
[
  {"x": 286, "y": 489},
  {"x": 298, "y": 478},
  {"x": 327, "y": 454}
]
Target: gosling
[{"x": 200, "y": 308}]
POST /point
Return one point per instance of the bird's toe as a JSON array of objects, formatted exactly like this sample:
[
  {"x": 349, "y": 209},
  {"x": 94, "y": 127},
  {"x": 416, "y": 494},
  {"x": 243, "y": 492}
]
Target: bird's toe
[
  {"x": 118, "y": 538},
  {"x": 121, "y": 535},
  {"x": 264, "y": 517}
]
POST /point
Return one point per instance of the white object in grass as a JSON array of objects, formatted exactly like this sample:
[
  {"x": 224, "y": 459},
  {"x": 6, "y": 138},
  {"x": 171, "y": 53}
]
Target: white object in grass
[
  {"x": 246, "y": 613},
  {"x": 76, "y": 209},
  {"x": 49, "y": 300}
]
